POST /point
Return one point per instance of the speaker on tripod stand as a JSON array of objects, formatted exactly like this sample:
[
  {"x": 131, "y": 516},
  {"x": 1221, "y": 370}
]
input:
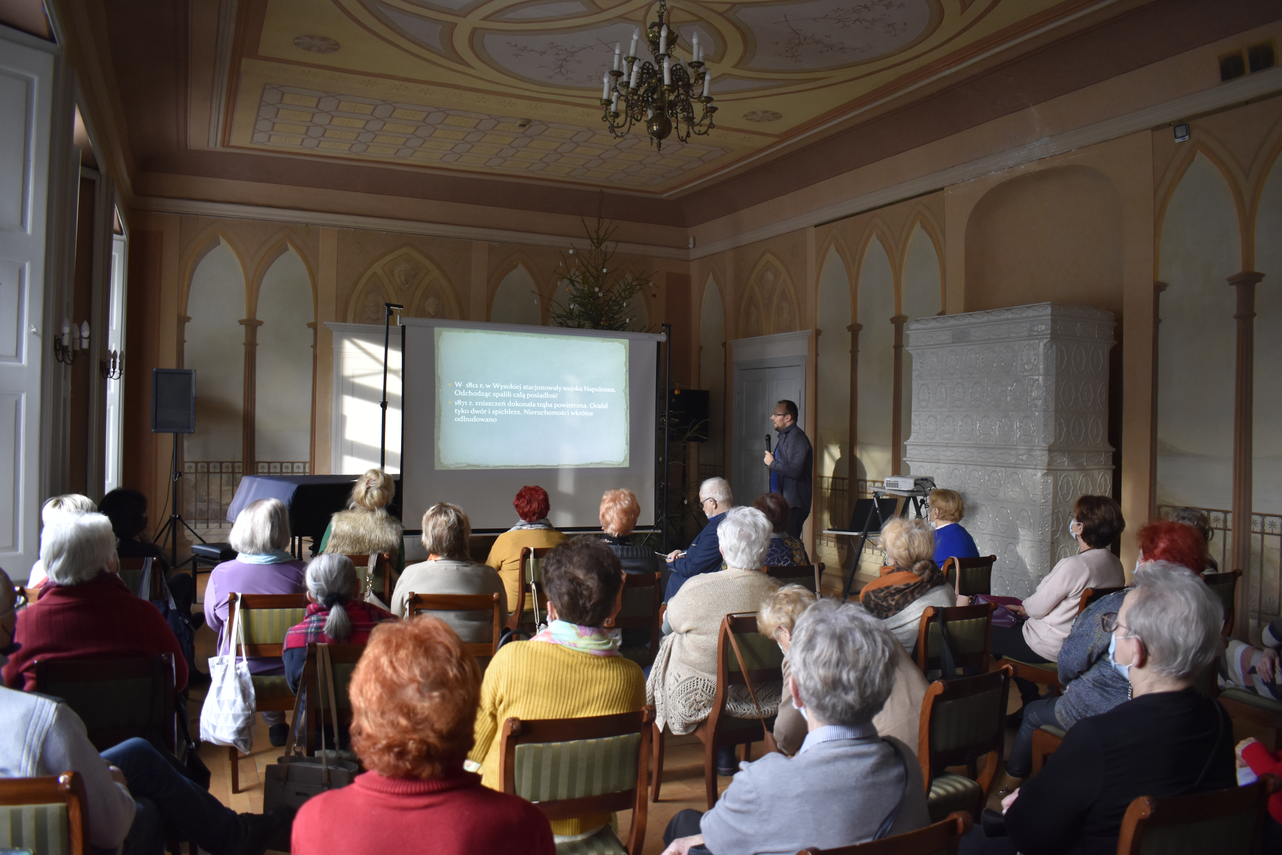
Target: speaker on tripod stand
[{"x": 173, "y": 411}]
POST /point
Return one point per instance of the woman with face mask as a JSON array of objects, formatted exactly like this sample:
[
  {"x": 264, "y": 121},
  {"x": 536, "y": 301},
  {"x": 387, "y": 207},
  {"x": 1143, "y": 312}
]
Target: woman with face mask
[{"x": 1091, "y": 684}]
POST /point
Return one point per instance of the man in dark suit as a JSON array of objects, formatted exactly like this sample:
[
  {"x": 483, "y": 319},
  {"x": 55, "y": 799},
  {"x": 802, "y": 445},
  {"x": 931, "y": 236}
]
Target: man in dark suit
[
  {"x": 704, "y": 552},
  {"x": 791, "y": 465}
]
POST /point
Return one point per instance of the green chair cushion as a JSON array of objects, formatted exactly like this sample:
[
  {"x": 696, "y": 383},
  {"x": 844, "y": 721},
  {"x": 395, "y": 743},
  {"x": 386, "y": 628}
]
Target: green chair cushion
[
  {"x": 604, "y": 842},
  {"x": 949, "y": 792},
  {"x": 1252, "y": 699},
  {"x": 40, "y": 828},
  {"x": 272, "y": 686},
  {"x": 551, "y": 771}
]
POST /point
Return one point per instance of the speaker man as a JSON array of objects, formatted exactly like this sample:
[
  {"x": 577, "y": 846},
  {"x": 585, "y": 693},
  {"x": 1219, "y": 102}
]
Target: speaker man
[{"x": 791, "y": 465}]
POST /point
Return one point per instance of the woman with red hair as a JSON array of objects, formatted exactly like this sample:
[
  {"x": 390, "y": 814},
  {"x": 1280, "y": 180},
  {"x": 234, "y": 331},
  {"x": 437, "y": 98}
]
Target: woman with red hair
[
  {"x": 414, "y": 700},
  {"x": 1092, "y": 685},
  {"x": 533, "y": 530}
]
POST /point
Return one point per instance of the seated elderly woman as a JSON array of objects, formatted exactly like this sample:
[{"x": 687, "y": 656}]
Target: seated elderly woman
[
  {"x": 910, "y": 581},
  {"x": 683, "y": 678},
  {"x": 534, "y": 530},
  {"x": 414, "y": 698},
  {"x": 337, "y": 615},
  {"x": 785, "y": 550},
  {"x": 571, "y": 669},
  {"x": 848, "y": 784},
  {"x": 449, "y": 570},
  {"x": 899, "y": 717},
  {"x": 1049, "y": 611},
  {"x": 1091, "y": 684},
  {"x": 951, "y": 540},
  {"x": 619, "y": 512},
  {"x": 127, "y": 510},
  {"x": 52, "y": 509},
  {"x": 1167, "y": 741},
  {"x": 86, "y": 612},
  {"x": 1201, "y": 521},
  {"x": 365, "y": 526},
  {"x": 262, "y": 565}
]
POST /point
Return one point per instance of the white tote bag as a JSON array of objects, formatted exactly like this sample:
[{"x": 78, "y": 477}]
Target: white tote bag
[{"x": 227, "y": 717}]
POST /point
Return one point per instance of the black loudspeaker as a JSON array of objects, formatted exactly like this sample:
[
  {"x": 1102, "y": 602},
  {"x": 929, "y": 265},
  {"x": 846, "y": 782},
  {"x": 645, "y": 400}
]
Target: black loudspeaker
[
  {"x": 688, "y": 411},
  {"x": 173, "y": 400}
]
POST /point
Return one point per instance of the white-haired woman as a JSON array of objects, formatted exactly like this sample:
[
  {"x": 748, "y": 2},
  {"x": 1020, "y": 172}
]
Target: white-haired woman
[
  {"x": 86, "y": 612},
  {"x": 1167, "y": 741},
  {"x": 910, "y": 581},
  {"x": 683, "y": 678},
  {"x": 365, "y": 527},
  {"x": 53, "y": 509},
  {"x": 337, "y": 615},
  {"x": 849, "y": 784},
  {"x": 262, "y": 565}
]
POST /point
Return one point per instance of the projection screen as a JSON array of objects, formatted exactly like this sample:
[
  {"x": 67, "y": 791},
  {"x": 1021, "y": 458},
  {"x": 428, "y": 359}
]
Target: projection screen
[{"x": 490, "y": 408}]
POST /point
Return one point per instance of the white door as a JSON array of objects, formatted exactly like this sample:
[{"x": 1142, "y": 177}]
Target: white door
[
  {"x": 26, "y": 87},
  {"x": 757, "y": 389},
  {"x": 115, "y": 341}
]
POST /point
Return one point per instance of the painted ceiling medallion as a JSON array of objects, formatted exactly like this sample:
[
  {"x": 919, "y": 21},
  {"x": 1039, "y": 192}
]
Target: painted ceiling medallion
[
  {"x": 317, "y": 44},
  {"x": 762, "y": 116},
  {"x": 831, "y": 33}
]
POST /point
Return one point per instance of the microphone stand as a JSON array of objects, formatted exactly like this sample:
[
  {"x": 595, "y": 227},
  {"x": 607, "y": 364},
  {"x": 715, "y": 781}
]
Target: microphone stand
[{"x": 387, "y": 334}]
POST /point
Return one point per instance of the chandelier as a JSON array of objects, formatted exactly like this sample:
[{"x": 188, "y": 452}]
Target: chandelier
[{"x": 661, "y": 94}]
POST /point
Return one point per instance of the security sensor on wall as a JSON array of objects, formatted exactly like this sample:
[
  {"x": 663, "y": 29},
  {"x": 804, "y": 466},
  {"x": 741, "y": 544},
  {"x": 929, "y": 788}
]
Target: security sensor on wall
[{"x": 1182, "y": 133}]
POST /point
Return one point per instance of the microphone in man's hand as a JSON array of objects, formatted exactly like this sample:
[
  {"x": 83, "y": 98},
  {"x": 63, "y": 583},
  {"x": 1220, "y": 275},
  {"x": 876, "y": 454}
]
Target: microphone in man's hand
[{"x": 767, "y": 442}]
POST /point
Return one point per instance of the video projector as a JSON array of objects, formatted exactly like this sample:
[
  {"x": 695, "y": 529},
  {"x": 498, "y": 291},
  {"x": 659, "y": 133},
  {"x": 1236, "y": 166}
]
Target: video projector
[{"x": 904, "y": 484}]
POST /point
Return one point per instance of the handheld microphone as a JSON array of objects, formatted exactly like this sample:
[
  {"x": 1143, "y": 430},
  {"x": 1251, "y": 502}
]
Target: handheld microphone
[{"x": 767, "y": 442}]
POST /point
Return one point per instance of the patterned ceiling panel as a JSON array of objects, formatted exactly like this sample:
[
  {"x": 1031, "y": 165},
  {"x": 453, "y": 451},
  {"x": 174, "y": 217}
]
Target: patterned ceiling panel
[{"x": 530, "y": 72}]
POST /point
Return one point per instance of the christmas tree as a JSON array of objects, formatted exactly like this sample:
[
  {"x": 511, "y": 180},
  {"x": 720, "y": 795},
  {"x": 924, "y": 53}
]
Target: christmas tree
[{"x": 594, "y": 298}]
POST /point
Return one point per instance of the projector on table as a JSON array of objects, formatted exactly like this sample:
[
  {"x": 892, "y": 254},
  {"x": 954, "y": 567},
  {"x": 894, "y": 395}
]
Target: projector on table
[{"x": 899, "y": 482}]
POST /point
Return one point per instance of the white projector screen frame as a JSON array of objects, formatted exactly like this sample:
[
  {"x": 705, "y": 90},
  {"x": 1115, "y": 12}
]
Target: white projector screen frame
[{"x": 486, "y": 494}]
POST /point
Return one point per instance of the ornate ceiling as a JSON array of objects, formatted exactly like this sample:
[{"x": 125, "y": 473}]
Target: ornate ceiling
[{"x": 509, "y": 88}]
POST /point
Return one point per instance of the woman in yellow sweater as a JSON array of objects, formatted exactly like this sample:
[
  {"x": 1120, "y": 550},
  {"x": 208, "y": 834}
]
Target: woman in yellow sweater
[
  {"x": 534, "y": 530},
  {"x": 571, "y": 669}
]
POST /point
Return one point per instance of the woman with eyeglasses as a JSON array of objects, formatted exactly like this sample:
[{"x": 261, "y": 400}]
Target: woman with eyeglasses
[
  {"x": 1167, "y": 741},
  {"x": 1091, "y": 684}
]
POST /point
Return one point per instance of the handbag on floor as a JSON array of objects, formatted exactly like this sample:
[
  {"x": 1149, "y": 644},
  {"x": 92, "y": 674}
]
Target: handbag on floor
[
  {"x": 227, "y": 716},
  {"x": 296, "y": 778}
]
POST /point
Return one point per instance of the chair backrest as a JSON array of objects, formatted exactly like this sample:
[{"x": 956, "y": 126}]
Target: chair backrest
[
  {"x": 344, "y": 658},
  {"x": 806, "y": 575},
  {"x": 531, "y": 602},
  {"x": 970, "y": 576},
  {"x": 962, "y": 720},
  {"x": 365, "y": 573},
  {"x": 642, "y": 608},
  {"x": 1090, "y": 595},
  {"x": 266, "y": 618},
  {"x": 577, "y": 766},
  {"x": 116, "y": 698},
  {"x": 761, "y": 655},
  {"x": 43, "y": 815},
  {"x": 1225, "y": 587},
  {"x": 942, "y": 838},
  {"x": 417, "y": 604},
  {"x": 134, "y": 572},
  {"x": 1229, "y": 820},
  {"x": 969, "y": 631}
]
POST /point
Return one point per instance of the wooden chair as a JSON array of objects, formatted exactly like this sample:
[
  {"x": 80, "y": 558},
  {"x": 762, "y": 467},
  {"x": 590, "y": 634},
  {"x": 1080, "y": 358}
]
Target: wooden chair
[
  {"x": 970, "y": 630},
  {"x": 382, "y": 562},
  {"x": 1230, "y": 820},
  {"x": 133, "y": 572},
  {"x": 764, "y": 659},
  {"x": 1091, "y": 595},
  {"x": 806, "y": 575},
  {"x": 942, "y": 838},
  {"x": 45, "y": 816},
  {"x": 344, "y": 658},
  {"x": 471, "y": 607},
  {"x": 116, "y": 698},
  {"x": 531, "y": 589},
  {"x": 642, "y": 609},
  {"x": 962, "y": 720},
  {"x": 573, "y": 767},
  {"x": 1046, "y": 739},
  {"x": 970, "y": 576},
  {"x": 1248, "y": 706},
  {"x": 266, "y": 618},
  {"x": 1225, "y": 587}
]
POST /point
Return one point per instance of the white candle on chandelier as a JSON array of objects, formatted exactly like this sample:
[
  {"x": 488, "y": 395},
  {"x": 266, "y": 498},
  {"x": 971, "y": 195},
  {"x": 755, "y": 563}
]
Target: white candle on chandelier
[
  {"x": 667, "y": 71},
  {"x": 632, "y": 51},
  {"x": 707, "y": 84},
  {"x": 663, "y": 39},
  {"x": 616, "y": 56},
  {"x": 694, "y": 47},
  {"x": 614, "y": 103},
  {"x": 636, "y": 73},
  {"x": 605, "y": 86},
  {"x": 66, "y": 332},
  {"x": 84, "y": 335}
]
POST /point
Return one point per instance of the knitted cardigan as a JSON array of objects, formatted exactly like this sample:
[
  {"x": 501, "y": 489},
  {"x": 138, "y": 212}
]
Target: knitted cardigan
[
  {"x": 361, "y": 532},
  {"x": 683, "y": 678}
]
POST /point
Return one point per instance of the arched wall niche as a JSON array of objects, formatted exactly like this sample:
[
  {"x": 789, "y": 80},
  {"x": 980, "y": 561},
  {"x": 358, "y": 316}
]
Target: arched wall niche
[
  {"x": 214, "y": 342},
  {"x": 281, "y": 243},
  {"x": 407, "y": 276},
  {"x": 712, "y": 370},
  {"x": 206, "y": 243},
  {"x": 283, "y": 403},
  {"x": 876, "y": 380},
  {"x": 921, "y": 295},
  {"x": 518, "y": 299},
  {"x": 1267, "y": 394},
  {"x": 832, "y": 437},
  {"x": 1199, "y": 248},
  {"x": 770, "y": 302}
]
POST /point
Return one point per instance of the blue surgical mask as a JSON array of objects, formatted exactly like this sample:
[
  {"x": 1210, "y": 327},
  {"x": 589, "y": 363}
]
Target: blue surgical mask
[
  {"x": 1124, "y": 670},
  {"x": 1071, "y": 522}
]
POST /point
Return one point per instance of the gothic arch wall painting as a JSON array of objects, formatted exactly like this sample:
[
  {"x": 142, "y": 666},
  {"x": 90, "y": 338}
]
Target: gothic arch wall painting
[
  {"x": 1267, "y": 464},
  {"x": 1199, "y": 249},
  {"x": 712, "y": 372},
  {"x": 920, "y": 297},
  {"x": 517, "y": 300},
  {"x": 283, "y": 367},
  {"x": 832, "y": 435},
  {"x": 876, "y": 380},
  {"x": 214, "y": 340},
  {"x": 408, "y": 277}
]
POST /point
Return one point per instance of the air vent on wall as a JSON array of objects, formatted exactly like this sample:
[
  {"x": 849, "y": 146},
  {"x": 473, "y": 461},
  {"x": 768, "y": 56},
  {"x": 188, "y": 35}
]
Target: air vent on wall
[
  {"x": 1232, "y": 65},
  {"x": 1247, "y": 60},
  {"x": 1260, "y": 57}
]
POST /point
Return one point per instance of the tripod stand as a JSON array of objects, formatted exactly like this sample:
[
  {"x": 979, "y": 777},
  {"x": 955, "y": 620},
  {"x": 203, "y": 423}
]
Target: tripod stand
[{"x": 170, "y": 528}]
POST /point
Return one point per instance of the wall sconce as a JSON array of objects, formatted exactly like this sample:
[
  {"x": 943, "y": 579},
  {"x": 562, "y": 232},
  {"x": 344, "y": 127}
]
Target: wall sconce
[
  {"x": 113, "y": 367},
  {"x": 72, "y": 342}
]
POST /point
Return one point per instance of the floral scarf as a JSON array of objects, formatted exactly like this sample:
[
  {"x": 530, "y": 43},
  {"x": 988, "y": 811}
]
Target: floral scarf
[
  {"x": 883, "y": 602},
  {"x": 586, "y": 639},
  {"x": 522, "y": 525}
]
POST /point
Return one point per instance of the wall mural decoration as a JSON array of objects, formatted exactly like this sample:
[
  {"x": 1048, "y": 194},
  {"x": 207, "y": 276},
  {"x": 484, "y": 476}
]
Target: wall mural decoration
[{"x": 408, "y": 277}]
